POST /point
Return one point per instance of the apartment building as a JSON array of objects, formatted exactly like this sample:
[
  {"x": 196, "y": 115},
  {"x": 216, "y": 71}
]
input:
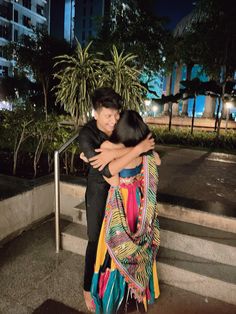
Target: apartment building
[
  {"x": 77, "y": 19},
  {"x": 17, "y": 18},
  {"x": 88, "y": 14}
]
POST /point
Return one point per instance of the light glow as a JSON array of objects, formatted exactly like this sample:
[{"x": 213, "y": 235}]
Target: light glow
[
  {"x": 147, "y": 102},
  {"x": 154, "y": 108},
  {"x": 229, "y": 105}
]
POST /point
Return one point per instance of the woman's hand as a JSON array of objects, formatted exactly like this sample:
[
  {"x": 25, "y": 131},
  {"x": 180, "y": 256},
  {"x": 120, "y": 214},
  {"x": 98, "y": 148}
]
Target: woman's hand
[
  {"x": 106, "y": 154},
  {"x": 82, "y": 156},
  {"x": 113, "y": 181},
  {"x": 157, "y": 158},
  {"x": 110, "y": 145},
  {"x": 147, "y": 144},
  {"x": 102, "y": 159}
]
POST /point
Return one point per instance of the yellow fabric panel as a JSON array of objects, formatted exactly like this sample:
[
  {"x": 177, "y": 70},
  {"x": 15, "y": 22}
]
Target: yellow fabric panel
[
  {"x": 124, "y": 194},
  {"x": 145, "y": 303},
  {"x": 113, "y": 265},
  {"x": 101, "y": 250},
  {"x": 155, "y": 281}
]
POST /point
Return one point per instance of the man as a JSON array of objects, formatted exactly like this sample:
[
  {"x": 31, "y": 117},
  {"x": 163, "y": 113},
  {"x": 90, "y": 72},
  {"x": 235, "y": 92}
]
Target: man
[{"x": 107, "y": 104}]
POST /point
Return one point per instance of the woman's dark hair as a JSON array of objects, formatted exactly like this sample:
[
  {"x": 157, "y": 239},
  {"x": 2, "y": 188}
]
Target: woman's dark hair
[
  {"x": 106, "y": 97},
  {"x": 130, "y": 129}
]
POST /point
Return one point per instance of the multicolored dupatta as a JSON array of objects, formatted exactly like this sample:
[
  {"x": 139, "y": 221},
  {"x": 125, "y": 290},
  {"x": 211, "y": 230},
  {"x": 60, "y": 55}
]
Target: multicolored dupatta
[{"x": 134, "y": 253}]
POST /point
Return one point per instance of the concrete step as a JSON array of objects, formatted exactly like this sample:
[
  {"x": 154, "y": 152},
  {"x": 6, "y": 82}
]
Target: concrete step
[
  {"x": 184, "y": 214},
  {"x": 198, "y": 217},
  {"x": 185, "y": 271},
  {"x": 74, "y": 238},
  {"x": 79, "y": 215},
  {"x": 212, "y": 244},
  {"x": 198, "y": 275}
]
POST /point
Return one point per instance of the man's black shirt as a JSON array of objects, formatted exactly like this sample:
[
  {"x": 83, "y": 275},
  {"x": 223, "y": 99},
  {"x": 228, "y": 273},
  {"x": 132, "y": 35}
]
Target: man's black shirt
[{"x": 90, "y": 138}]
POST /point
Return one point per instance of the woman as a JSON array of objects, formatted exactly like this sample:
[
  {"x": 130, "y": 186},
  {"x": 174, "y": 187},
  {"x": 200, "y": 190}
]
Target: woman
[{"x": 129, "y": 239}]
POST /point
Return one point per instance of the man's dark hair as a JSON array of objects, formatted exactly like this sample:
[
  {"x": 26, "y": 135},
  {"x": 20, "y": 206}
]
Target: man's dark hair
[
  {"x": 106, "y": 97},
  {"x": 130, "y": 129}
]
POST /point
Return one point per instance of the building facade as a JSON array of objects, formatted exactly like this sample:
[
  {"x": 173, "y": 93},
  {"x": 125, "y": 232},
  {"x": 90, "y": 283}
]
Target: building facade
[
  {"x": 19, "y": 18},
  {"x": 77, "y": 20},
  {"x": 88, "y": 14}
]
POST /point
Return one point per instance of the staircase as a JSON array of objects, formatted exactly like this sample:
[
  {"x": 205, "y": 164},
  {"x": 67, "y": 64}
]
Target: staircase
[{"x": 197, "y": 253}]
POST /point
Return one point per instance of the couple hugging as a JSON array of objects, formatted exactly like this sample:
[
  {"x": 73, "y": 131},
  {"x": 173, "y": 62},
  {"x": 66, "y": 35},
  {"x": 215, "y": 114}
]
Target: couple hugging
[{"x": 121, "y": 207}]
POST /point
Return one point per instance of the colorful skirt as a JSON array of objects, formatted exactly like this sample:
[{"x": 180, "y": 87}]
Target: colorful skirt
[{"x": 109, "y": 288}]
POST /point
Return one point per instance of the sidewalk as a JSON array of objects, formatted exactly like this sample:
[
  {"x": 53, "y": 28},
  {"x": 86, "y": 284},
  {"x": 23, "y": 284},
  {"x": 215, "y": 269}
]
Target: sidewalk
[
  {"x": 31, "y": 273},
  {"x": 198, "y": 179}
]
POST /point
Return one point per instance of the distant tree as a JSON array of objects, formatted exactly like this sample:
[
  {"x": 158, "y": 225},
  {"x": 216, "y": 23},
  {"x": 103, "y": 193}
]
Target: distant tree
[
  {"x": 17, "y": 87},
  {"x": 170, "y": 99},
  {"x": 43, "y": 133},
  {"x": 34, "y": 56},
  {"x": 135, "y": 30},
  {"x": 215, "y": 33},
  {"x": 17, "y": 126},
  {"x": 216, "y": 36},
  {"x": 192, "y": 88},
  {"x": 185, "y": 49}
]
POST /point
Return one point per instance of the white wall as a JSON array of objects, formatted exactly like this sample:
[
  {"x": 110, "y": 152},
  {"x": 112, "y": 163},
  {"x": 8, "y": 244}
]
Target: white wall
[{"x": 20, "y": 211}]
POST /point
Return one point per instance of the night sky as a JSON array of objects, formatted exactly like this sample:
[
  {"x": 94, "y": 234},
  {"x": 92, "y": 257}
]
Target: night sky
[{"x": 173, "y": 9}]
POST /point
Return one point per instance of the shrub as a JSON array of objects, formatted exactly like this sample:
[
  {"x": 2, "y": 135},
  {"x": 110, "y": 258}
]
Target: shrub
[{"x": 202, "y": 139}]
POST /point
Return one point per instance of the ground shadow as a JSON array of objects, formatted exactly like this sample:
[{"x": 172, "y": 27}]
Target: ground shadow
[{"x": 51, "y": 307}]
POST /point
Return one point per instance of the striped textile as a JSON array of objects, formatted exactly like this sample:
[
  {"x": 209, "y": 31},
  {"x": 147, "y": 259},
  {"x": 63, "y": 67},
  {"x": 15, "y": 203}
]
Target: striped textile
[{"x": 134, "y": 253}]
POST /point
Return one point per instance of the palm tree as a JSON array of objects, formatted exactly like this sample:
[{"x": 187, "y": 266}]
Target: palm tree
[
  {"x": 122, "y": 75},
  {"x": 79, "y": 75}
]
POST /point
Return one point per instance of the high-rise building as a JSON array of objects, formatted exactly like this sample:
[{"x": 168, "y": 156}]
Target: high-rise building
[
  {"x": 77, "y": 19},
  {"x": 17, "y": 18},
  {"x": 62, "y": 19},
  {"x": 88, "y": 14}
]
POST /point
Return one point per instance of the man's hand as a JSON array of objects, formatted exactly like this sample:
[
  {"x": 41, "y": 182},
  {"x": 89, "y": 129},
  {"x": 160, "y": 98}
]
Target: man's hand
[
  {"x": 147, "y": 144},
  {"x": 102, "y": 159}
]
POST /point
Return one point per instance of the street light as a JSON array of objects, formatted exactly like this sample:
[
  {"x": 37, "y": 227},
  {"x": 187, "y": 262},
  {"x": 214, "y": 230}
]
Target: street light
[
  {"x": 228, "y": 105},
  {"x": 154, "y": 109},
  {"x": 147, "y": 102}
]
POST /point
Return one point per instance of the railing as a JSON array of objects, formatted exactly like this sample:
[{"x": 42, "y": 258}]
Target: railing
[{"x": 57, "y": 188}]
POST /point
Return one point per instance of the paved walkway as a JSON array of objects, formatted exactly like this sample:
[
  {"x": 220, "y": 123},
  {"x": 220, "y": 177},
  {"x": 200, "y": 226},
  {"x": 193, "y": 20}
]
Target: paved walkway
[{"x": 198, "y": 179}]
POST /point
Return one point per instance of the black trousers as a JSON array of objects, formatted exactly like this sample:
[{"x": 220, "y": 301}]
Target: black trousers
[{"x": 95, "y": 198}]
